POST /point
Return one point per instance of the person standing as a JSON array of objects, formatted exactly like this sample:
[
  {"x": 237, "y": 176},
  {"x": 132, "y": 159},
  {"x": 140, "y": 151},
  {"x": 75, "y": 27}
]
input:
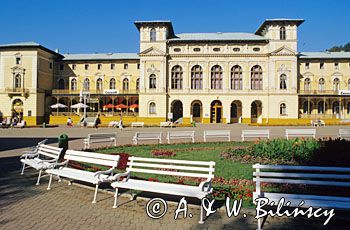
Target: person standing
[
  {"x": 120, "y": 124},
  {"x": 69, "y": 122}
]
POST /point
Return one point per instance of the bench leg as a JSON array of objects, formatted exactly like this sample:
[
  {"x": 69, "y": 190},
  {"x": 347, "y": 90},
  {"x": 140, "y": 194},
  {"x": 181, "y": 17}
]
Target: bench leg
[
  {"x": 50, "y": 180},
  {"x": 24, "y": 165},
  {"x": 115, "y": 198},
  {"x": 261, "y": 222},
  {"x": 95, "y": 196},
  {"x": 201, "y": 221},
  {"x": 38, "y": 181},
  {"x": 59, "y": 179}
]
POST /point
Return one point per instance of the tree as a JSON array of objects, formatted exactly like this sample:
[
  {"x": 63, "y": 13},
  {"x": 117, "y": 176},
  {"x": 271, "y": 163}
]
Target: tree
[{"x": 340, "y": 48}]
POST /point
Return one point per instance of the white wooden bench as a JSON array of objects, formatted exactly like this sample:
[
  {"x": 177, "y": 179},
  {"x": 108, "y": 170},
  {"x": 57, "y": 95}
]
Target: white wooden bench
[
  {"x": 95, "y": 178},
  {"x": 100, "y": 138},
  {"x": 137, "y": 124},
  {"x": 164, "y": 124},
  {"x": 256, "y": 133},
  {"x": 147, "y": 136},
  {"x": 344, "y": 133},
  {"x": 43, "y": 157},
  {"x": 217, "y": 134},
  {"x": 197, "y": 169},
  {"x": 333, "y": 177},
  {"x": 300, "y": 133},
  {"x": 176, "y": 135}
]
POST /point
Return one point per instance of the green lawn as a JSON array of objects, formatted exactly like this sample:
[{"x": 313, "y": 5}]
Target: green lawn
[{"x": 196, "y": 152}]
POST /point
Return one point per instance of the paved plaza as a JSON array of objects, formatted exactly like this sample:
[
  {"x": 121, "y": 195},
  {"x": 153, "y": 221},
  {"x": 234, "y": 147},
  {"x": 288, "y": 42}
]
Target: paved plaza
[{"x": 26, "y": 206}]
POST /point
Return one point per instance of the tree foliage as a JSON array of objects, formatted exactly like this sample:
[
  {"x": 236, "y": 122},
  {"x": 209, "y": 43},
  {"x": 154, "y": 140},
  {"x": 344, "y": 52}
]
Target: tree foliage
[{"x": 345, "y": 48}]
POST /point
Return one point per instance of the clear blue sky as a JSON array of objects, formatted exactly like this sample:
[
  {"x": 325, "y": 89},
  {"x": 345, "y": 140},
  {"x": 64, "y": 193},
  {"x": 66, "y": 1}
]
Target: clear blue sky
[{"x": 83, "y": 26}]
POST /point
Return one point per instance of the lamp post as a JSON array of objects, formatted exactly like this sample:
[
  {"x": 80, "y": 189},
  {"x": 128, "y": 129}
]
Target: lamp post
[{"x": 83, "y": 96}]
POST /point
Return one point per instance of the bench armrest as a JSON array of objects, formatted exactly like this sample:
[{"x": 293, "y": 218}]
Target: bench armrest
[
  {"x": 49, "y": 161},
  {"x": 106, "y": 172},
  {"x": 29, "y": 154},
  {"x": 206, "y": 186},
  {"x": 54, "y": 165},
  {"x": 117, "y": 177}
]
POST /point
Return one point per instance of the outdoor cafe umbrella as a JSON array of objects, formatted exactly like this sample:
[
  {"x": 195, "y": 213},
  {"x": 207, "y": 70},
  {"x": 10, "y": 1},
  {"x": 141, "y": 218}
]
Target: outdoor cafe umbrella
[
  {"x": 58, "y": 106},
  {"x": 79, "y": 106},
  {"x": 109, "y": 106},
  {"x": 134, "y": 106},
  {"x": 121, "y": 106}
]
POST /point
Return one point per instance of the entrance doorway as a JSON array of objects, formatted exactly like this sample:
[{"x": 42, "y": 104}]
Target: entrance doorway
[
  {"x": 17, "y": 109},
  {"x": 216, "y": 112},
  {"x": 196, "y": 111},
  {"x": 177, "y": 110},
  {"x": 236, "y": 112},
  {"x": 256, "y": 112}
]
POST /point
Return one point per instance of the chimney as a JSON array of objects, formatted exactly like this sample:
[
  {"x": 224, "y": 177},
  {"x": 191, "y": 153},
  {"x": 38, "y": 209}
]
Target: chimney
[{"x": 57, "y": 51}]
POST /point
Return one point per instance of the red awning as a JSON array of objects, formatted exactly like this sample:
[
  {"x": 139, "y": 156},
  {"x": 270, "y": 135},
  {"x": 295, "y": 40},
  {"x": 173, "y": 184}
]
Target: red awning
[
  {"x": 121, "y": 106},
  {"x": 134, "y": 106},
  {"x": 109, "y": 106}
]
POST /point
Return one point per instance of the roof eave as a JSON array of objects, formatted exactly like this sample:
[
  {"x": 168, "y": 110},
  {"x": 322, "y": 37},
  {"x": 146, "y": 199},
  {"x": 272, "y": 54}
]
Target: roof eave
[{"x": 262, "y": 26}]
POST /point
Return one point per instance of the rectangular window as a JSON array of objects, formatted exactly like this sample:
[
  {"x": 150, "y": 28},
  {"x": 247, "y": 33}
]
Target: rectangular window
[
  {"x": 112, "y": 66},
  {"x": 29, "y": 113},
  {"x": 307, "y": 65},
  {"x": 126, "y": 66},
  {"x": 61, "y": 67},
  {"x": 18, "y": 61},
  {"x": 86, "y": 66},
  {"x": 336, "y": 65},
  {"x": 50, "y": 65},
  {"x": 138, "y": 66},
  {"x": 321, "y": 65},
  {"x": 74, "y": 66},
  {"x": 99, "y": 66}
]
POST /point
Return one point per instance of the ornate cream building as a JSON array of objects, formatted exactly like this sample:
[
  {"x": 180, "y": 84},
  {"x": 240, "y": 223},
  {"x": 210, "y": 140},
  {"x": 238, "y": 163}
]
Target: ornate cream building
[{"x": 256, "y": 77}]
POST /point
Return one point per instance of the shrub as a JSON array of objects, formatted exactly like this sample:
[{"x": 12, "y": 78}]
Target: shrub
[{"x": 280, "y": 150}]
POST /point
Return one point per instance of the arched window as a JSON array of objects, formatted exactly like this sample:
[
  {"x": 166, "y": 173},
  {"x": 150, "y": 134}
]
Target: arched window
[
  {"x": 256, "y": 78},
  {"x": 152, "y": 108},
  {"x": 336, "y": 83},
  {"x": 321, "y": 107},
  {"x": 216, "y": 77},
  {"x": 74, "y": 84},
  {"x": 176, "y": 77},
  {"x": 138, "y": 84},
  {"x": 18, "y": 81},
  {"x": 61, "y": 84},
  {"x": 152, "y": 81},
  {"x": 321, "y": 83},
  {"x": 196, "y": 77},
  {"x": 283, "y": 81},
  {"x": 153, "y": 35},
  {"x": 112, "y": 83},
  {"x": 307, "y": 84},
  {"x": 348, "y": 108},
  {"x": 349, "y": 84},
  {"x": 125, "y": 84},
  {"x": 99, "y": 84},
  {"x": 86, "y": 84},
  {"x": 236, "y": 77},
  {"x": 283, "y": 33},
  {"x": 283, "y": 109}
]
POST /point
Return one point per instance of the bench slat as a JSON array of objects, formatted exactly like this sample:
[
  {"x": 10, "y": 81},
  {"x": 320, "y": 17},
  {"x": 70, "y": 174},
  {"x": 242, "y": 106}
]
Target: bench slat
[
  {"x": 93, "y": 158},
  {"x": 209, "y": 163},
  {"x": 164, "y": 166},
  {"x": 301, "y": 175},
  {"x": 302, "y": 168},
  {"x": 171, "y": 173},
  {"x": 309, "y": 182}
]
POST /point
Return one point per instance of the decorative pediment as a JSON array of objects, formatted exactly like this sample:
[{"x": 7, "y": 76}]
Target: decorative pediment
[
  {"x": 307, "y": 74},
  {"x": 153, "y": 51},
  {"x": 283, "y": 69},
  {"x": 283, "y": 51},
  {"x": 337, "y": 74},
  {"x": 18, "y": 69},
  {"x": 152, "y": 70},
  {"x": 99, "y": 74}
]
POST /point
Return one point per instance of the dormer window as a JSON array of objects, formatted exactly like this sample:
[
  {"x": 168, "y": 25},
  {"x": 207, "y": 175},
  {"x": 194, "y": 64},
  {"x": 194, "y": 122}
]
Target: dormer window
[
  {"x": 283, "y": 33},
  {"x": 177, "y": 50},
  {"x": 216, "y": 49},
  {"x": 153, "y": 35},
  {"x": 196, "y": 49},
  {"x": 256, "y": 49},
  {"x": 18, "y": 60},
  {"x": 236, "y": 49}
]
